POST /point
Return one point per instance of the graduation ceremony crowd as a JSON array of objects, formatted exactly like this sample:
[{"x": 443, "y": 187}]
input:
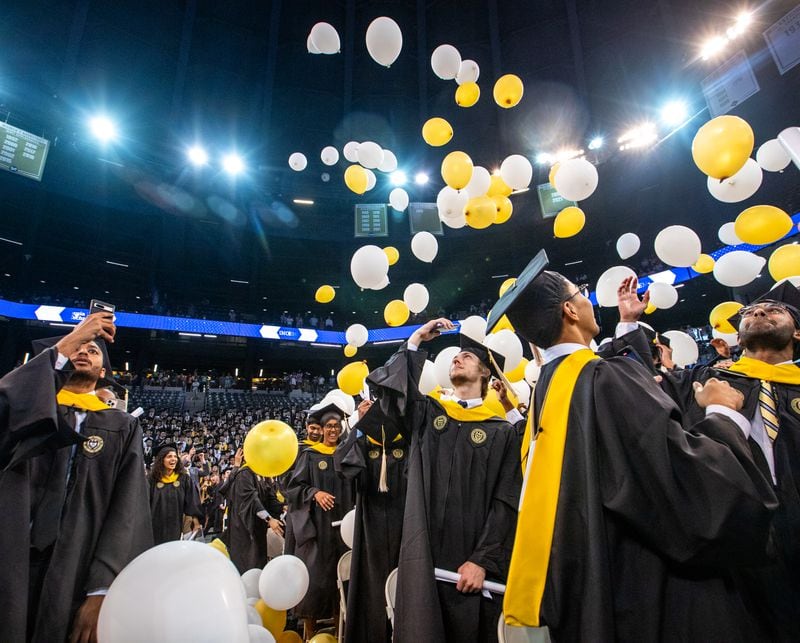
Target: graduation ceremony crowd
[{"x": 627, "y": 500}]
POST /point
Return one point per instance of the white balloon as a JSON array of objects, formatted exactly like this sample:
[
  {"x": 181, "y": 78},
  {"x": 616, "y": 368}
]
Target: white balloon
[
  {"x": 532, "y": 370},
  {"x": 253, "y": 617},
  {"x": 441, "y": 366},
  {"x": 468, "y": 72},
  {"x": 384, "y": 40},
  {"x": 508, "y": 345},
  {"x": 663, "y": 296},
  {"x": 347, "y": 528},
  {"x": 325, "y": 38},
  {"x": 398, "y": 199},
  {"x": 370, "y": 155},
  {"x": 252, "y": 601},
  {"x": 795, "y": 281},
  {"x": 450, "y": 203},
  {"x": 522, "y": 390},
  {"x": 250, "y": 581},
  {"x": 260, "y": 634},
  {"x": 738, "y": 268},
  {"x": 284, "y": 582},
  {"x": 329, "y": 155},
  {"x": 424, "y": 246},
  {"x": 731, "y": 339},
  {"x": 678, "y": 246},
  {"x": 478, "y": 185},
  {"x": 576, "y": 179},
  {"x": 350, "y": 151},
  {"x": 384, "y": 282},
  {"x": 357, "y": 335},
  {"x": 740, "y": 186},
  {"x": 684, "y": 348},
  {"x": 178, "y": 577},
  {"x": 416, "y": 297},
  {"x": 312, "y": 49},
  {"x": 427, "y": 381},
  {"x": 298, "y": 161},
  {"x": 337, "y": 396},
  {"x": 772, "y": 156},
  {"x": 727, "y": 234},
  {"x": 517, "y": 171},
  {"x": 389, "y": 163},
  {"x": 371, "y": 179},
  {"x": 474, "y": 327},
  {"x": 446, "y": 62},
  {"x": 608, "y": 284},
  {"x": 369, "y": 266},
  {"x": 454, "y": 222},
  {"x": 627, "y": 245}
]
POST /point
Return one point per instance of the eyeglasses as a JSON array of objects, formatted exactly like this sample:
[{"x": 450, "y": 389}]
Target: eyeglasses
[
  {"x": 582, "y": 289},
  {"x": 336, "y": 426},
  {"x": 770, "y": 308}
]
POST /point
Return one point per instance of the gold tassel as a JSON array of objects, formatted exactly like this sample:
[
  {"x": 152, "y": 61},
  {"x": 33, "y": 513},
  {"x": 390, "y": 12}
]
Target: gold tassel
[{"x": 383, "y": 486}]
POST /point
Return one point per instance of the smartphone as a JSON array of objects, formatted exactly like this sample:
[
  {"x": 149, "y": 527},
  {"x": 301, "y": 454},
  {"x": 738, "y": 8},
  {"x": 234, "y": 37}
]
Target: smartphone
[{"x": 97, "y": 306}]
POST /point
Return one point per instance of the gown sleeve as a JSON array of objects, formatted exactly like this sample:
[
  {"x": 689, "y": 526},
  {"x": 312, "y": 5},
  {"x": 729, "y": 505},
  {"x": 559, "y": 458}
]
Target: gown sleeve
[{"x": 191, "y": 498}]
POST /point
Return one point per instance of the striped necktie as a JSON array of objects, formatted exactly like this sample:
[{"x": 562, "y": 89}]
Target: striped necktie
[{"x": 769, "y": 409}]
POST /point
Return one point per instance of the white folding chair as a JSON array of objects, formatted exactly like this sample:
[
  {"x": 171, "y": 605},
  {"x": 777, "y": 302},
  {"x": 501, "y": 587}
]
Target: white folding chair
[
  {"x": 342, "y": 576},
  {"x": 391, "y": 593}
]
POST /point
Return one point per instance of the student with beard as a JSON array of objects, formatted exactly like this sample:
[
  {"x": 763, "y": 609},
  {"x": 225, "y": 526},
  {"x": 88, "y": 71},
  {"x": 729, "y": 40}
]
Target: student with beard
[{"x": 172, "y": 495}]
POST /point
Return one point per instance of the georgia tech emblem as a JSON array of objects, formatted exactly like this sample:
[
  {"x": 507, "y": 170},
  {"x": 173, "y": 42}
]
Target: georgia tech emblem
[
  {"x": 795, "y": 404},
  {"x": 397, "y": 453},
  {"x": 439, "y": 422},
  {"x": 177, "y": 483},
  {"x": 323, "y": 465},
  {"x": 478, "y": 436},
  {"x": 374, "y": 454},
  {"x": 93, "y": 444}
]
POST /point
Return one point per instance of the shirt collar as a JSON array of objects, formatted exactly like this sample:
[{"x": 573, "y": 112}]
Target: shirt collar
[
  {"x": 471, "y": 404},
  {"x": 560, "y": 350}
]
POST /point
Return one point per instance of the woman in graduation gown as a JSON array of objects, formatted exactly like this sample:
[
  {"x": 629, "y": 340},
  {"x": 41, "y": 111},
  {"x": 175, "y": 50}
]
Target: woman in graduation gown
[{"x": 172, "y": 495}]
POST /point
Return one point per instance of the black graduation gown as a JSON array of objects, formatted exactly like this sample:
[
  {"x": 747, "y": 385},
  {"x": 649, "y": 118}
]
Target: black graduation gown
[
  {"x": 650, "y": 518},
  {"x": 377, "y": 533},
  {"x": 169, "y": 502},
  {"x": 288, "y": 532},
  {"x": 249, "y": 494},
  {"x": 105, "y": 520},
  {"x": 317, "y": 543},
  {"x": 464, "y": 482}
]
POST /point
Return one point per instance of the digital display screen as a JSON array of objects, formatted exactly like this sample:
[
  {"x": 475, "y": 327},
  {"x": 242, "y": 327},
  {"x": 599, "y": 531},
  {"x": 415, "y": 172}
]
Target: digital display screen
[
  {"x": 551, "y": 201},
  {"x": 22, "y": 152},
  {"x": 370, "y": 220}
]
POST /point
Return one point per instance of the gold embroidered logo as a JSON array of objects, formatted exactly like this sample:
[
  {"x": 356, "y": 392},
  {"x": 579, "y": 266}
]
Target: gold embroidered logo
[
  {"x": 177, "y": 483},
  {"x": 94, "y": 444},
  {"x": 398, "y": 454},
  {"x": 796, "y": 405},
  {"x": 374, "y": 454},
  {"x": 439, "y": 422},
  {"x": 478, "y": 436},
  {"x": 159, "y": 485},
  {"x": 323, "y": 465}
]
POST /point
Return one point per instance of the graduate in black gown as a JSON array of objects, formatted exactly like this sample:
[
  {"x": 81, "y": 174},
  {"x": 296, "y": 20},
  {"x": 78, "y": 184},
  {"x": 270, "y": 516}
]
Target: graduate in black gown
[
  {"x": 463, "y": 489},
  {"x": 73, "y": 496},
  {"x": 317, "y": 498},
  {"x": 378, "y": 467},
  {"x": 172, "y": 495},
  {"x": 629, "y": 526}
]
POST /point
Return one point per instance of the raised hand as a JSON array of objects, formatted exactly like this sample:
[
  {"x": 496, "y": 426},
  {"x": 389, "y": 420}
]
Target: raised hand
[{"x": 630, "y": 305}]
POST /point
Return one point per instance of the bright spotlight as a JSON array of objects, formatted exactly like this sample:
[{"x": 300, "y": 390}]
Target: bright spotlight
[
  {"x": 232, "y": 164},
  {"x": 543, "y": 158},
  {"x": 713, "y": 46},
  {"x": 644, "y": 135},
  {"x": 197, "y": 156},
  {"x": 421, "y": 178},
  {"x": 398, "y": 177},
  {"x": 743, "y": 21},
  {"x": 674, "y": 112},
  {"x": 103, "y": 128},
  {"x": 596, "y": 143}
]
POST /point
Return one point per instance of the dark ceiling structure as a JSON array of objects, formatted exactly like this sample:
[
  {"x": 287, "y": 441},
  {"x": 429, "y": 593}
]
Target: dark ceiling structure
[{"x": 236, "y": 75}]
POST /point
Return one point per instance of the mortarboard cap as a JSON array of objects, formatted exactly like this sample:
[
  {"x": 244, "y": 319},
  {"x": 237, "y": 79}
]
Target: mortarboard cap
[
  {"x": 784, "y": 293},
  {"x": 492, "y": 360},
  {"x": 378, "y": 425},
  {"x": 41, "y": 345},
  {"x": 158, "y": 448},
  {"x": 323, "y": 411}
]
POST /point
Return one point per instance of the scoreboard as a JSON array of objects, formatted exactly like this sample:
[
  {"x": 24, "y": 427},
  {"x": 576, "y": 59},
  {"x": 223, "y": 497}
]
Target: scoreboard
[{"x": 22, "y": 152}]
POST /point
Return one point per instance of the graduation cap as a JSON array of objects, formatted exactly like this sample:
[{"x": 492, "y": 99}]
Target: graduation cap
[
  {"x": 41, "y": 345},
  {"x": 322, "y": 411},
  {"x": 785, "y": 294},
  {"x": 158, "y": 448},
  {"x": 492, "y": 360},
  {"x": 533, "y": 303}
]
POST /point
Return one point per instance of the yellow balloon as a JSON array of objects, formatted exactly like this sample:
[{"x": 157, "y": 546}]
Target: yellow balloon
[
  {"x": 508, "y": 91},
  {"x": 325, "y": 294},
  {"x": 551, "y": 177},
  {"x": 480, "y": 212},
  {"x": 506, "y": 285},
  {"x": 289, "y": 636},
  {"x": 504, "y": 208},
  {"x": 396, "y": 312},
  {"x": 220, "y": 547},
  {"x": 762, "y": 224},
  {"x": 457, "y": 170},
  {"x": 322, "y": 638},
  {"x": 704, "y": 264},
  {"x": 351, "y": 378},
  {"x": 519, "y": 372},
  {"x": 502, "y": 324},
  {"x": 270, "y": 448},
  {"x": 569, "y": 222},
  {"x": 350, "y": 351},
  {"x": 437, "y": 131},
  {"x": 650, "y": 309},
  {"x": 273, "y": 620},
  {"x": 391, "y": 254},
  {"x": 722, "y": 146},
  {"x": 355, "y": 178},
  {"x": 720, "y": 314},
  {"x": 467, "y": 94},
  {"x": 785, "y": 262},
  {"x": 498, "y": 187}
]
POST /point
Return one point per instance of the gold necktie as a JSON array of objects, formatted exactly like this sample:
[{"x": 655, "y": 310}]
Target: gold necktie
[{"x": 769, "y": 409}]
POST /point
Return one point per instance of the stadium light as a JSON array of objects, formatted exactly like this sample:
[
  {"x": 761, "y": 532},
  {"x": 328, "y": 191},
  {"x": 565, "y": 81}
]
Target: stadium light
[
  {"x": 543, "y": 158},
  {"x": 197, "y": 156},
  {"x": 674, "y": 112},
  {"x": 596, "y": 143},
  {"x": 103, "y": 128},
  {"x": 398, "y": 178},
  {"x": 421, "y": 178},
  {"x": 638, "y": 137},
  {"x": 233, "y": 164}
]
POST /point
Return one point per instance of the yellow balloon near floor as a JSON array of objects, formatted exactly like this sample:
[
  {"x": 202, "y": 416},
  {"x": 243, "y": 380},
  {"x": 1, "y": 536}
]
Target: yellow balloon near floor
[
  {"x": 498, "y": 187},
  {"x": 785, "y": 262},
  {"x": 273, "y": 620},
  {"x": 457, "y": 170},
  {"x": 396, "y": 312},
  {"x": 569, "y": 222},
  {"x": 762, "y": 224},
  {"x": 220, "y": 547},
  {"x": 722, "y": 146},
  {"x": 504, "y": 208},
  {"x": 508, "y": 91},
  {"x": 322, "y": 638},
  {"x": 355, "y": 178},
  {"x": 325, "y": 294},
  {"x": 718, "y": 318},
  {"x": 480, "y": 212},
  {"x": 351, "y": 378},
  {"x": 270, "y": 448},
  {"x": 437, "y": 131},
  {"x": 467, "y": 94},
  {"x": 704, "y": 264},
  {"x": 289, "y": 636},
  {"x": 391, "y": 254},
  {"x": 350, "y": 350},
  {"x": 506, "y": 285}
]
